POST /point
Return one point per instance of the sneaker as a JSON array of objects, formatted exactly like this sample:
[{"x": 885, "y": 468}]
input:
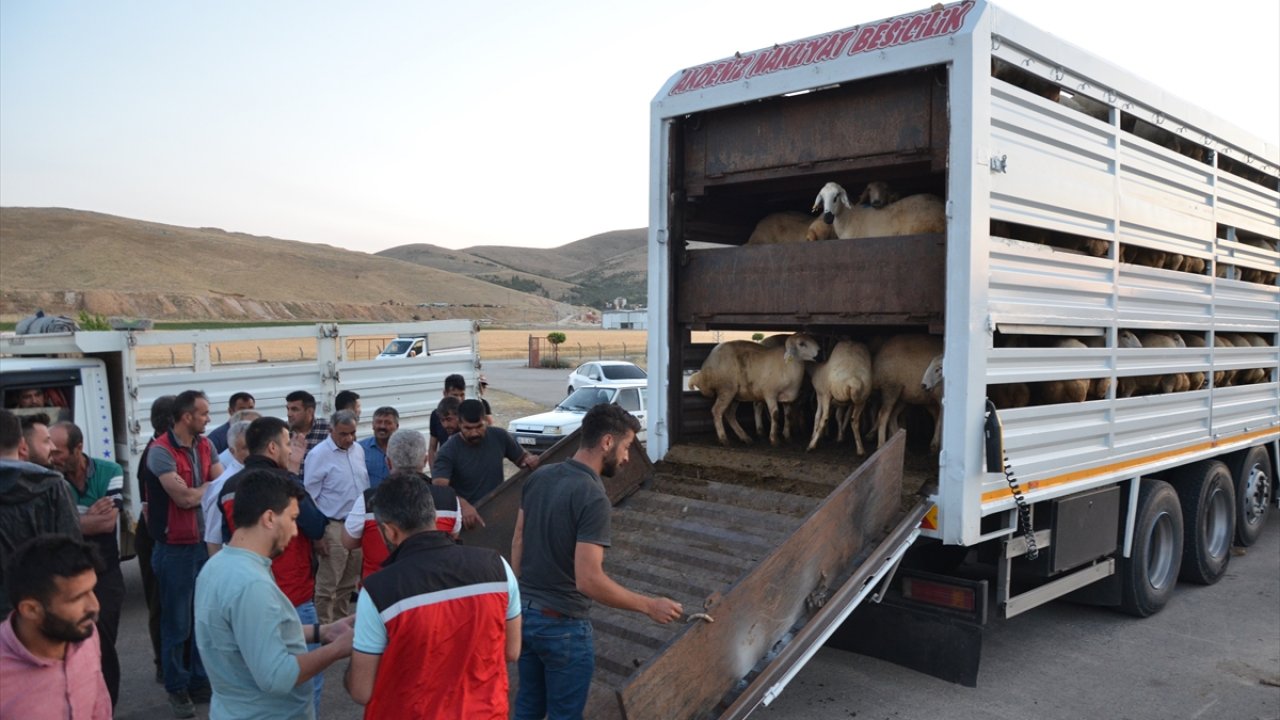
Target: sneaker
[
  {"x": 182, "y": 705},
  {"x": 201, "y": 695}
]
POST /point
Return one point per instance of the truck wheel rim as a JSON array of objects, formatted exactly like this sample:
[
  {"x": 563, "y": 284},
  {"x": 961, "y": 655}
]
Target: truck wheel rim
[
  {"x": 1257, "y": 493},
  {"x": 1217, "y": 524},
  {"x": 1160, "y": 552}
]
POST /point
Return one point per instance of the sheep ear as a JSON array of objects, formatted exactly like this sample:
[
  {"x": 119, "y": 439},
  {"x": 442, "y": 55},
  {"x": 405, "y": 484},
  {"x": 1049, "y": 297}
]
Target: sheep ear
[
  {"x": 865, "y": 197},
  {"x": 844, "y": 198},
  {"x": 817, "y": 203}
]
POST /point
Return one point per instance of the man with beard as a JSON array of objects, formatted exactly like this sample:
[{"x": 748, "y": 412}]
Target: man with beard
[
  {"x": 96, "y": 486},
  {"x": 239, "y": 401},
  {"x": 49, "y": 654},
  {"x": 561, "y": 532},
  {"x": 267, "y": 439},
  {"x": 386, "y": 420},
  {"x": 182, "y": 462},
  {"x": 254, "y": 647},
  {"x": 39, "y": 447},
  {"x": 471, "y": 461},
  {"x": 33, "y": 499}
]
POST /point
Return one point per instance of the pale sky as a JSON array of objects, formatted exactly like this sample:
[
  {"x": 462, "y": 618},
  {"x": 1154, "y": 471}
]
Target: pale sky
[{"x": 370, "y": 125}]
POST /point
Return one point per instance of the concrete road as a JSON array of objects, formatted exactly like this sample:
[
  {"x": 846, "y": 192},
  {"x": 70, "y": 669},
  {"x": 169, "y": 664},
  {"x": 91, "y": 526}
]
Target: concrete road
[
  {"x": 1214, "y": 652},
  {"x": 543, "y": 386}
]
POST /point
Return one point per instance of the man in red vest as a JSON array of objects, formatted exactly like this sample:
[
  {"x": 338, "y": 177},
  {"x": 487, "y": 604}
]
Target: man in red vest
[
  {"x": 182, "y": 461},
  {"x": 442, "y": 619}
]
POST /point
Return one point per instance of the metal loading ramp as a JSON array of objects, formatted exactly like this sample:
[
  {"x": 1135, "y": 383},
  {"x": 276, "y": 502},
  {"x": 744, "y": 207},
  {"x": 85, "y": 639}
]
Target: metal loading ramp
[{"x": 777, "y": 550}]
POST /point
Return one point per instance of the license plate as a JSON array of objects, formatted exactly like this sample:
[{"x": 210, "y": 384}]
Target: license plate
[{"x": 527, "y": 440}]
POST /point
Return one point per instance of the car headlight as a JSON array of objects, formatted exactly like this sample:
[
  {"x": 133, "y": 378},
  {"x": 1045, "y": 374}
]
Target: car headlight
[{"x": 553, "y": 430}]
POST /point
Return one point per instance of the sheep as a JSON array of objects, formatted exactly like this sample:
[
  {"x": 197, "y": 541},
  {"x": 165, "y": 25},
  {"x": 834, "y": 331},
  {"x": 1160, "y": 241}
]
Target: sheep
[
  {"x": 741, "y": 370},
  {"x": 758, "y": 408},
  {"x": 1143, "y": 384},
  {"x": 1052, "y": 392},
  {"x": 1247, "y": 376},
  {"x": 876, "y": 195},
  {"x": 1223, "y": 378},
  {"x": 1195, "y": 340},
  {"x": 844, "y": 378},
  {"x": 782, "y": 227},
  {"x": 912, "y": 215},
  {"x": 896, "y": 372}
]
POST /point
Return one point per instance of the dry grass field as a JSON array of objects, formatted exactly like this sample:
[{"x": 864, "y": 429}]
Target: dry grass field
[{"x": 580, "y": 345}]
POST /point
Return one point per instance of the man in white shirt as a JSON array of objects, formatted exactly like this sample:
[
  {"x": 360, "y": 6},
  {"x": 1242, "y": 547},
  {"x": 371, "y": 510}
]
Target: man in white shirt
[
  {"x": 233, "y": 462},
  {"x": 334, "y": 474}
]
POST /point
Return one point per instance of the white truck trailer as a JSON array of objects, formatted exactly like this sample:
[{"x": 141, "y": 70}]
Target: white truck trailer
[
  {"x": 1081, "y": 204},
  {"x": 106, "y": 381}
]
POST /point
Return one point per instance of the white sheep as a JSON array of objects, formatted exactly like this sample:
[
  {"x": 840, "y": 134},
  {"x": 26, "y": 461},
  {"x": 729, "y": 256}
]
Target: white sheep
[
  {"x": 781, "y": 227},
  {"x": 896, "y": 372},
  {"x": 844, "y": 378},
  {"x": 912, "y": 215},
  {"x": 1196, "y": 340},
  {"x": 742, "y": 371}
]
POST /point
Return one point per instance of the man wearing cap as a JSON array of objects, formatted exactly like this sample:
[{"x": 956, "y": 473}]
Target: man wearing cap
[{"x": 471, "y": 461}]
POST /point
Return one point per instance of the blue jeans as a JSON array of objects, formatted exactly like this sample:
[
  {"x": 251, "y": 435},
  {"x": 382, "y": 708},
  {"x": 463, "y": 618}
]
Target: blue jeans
[
  {"x": 557, "y": 659},
  {"x": 307, "y": 616},
  {"x": 176, "y": 567}
]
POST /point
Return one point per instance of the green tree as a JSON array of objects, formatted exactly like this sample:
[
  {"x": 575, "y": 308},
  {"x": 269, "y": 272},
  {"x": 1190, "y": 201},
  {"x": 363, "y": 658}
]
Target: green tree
[
  {"x": 555, "y": 338},
  {"x": 757, "y": 336}
]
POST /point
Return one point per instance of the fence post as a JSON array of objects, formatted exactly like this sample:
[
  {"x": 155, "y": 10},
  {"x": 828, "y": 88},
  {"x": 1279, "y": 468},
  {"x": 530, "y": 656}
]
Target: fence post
[
  {"x": 599, "y": 351},
  {"x": 624, "y": 351}
]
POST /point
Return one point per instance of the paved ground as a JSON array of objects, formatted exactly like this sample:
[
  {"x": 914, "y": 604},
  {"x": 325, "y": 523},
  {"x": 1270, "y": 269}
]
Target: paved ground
[{"x": 1214, "y": 652}]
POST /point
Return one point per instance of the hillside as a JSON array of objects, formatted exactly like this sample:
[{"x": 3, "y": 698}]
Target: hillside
[
  {"x": 590, "y": 271},
  {"x": 70, "y": 260}
]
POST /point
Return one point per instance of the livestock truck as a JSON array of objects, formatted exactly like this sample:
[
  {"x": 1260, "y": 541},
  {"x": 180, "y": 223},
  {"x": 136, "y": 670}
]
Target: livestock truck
[
  {"x": 1081, "y": 203},
  {"x": 1039, "y": 150},
  {"x": 106, "y": 381}
]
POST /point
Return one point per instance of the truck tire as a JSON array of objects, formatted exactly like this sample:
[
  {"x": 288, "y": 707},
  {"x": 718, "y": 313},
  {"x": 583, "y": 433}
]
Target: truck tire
[
  {"x": 1254, "y": 492},
  {"x": 1208, "y": 496},
  {"x": 1150, "y": 573}
]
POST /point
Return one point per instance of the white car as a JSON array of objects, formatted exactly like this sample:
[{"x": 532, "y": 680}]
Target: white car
[
  {"x": 606, "y": 373},
  {"x": 536, "y": 433}
]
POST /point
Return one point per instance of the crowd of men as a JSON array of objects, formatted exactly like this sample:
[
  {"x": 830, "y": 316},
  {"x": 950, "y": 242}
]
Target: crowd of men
[{"x": 272, "y": 548}]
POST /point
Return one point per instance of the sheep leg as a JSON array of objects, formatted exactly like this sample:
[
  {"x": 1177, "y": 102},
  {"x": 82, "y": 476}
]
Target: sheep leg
[
  {"x": 737, "y": 428},
  {"x": 758, "y": 409},
  {"x": 936, "y": 443},
  {"x": 820, "y": 419},
  {"x": 888, "y": 404},
  {"x": 722, "y": 403},
  {"x": 855, "y": 413},
  {"x": 785, "y": 410},
  {"x": 775, "y": 418}
]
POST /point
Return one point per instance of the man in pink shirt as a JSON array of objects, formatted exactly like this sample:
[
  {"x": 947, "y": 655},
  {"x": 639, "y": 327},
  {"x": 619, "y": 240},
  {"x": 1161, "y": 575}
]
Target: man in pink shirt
[{"x": 50, "y": 660}]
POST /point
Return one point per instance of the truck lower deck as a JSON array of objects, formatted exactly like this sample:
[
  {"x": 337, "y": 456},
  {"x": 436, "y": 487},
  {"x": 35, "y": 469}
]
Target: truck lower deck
[{"x": 755, "y": 537}]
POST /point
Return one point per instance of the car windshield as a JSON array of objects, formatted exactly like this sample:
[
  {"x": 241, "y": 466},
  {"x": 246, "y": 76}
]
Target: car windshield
[
  {"x": 397, "y": 347},
  {"x": 583, "y": 399},
  {"x": 623, "y": 372}
]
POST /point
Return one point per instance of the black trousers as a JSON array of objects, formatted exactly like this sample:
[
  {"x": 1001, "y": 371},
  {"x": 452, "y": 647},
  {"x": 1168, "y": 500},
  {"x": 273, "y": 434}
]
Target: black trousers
[
  {"x": 150, "y": 588},
  {"x": 110, "y": 592}
]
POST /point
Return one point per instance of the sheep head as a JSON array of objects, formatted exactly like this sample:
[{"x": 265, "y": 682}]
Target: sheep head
[
  {"x": 877, "y": 195},
  {"x": 1126, "y": 339},
  {"x": 932, "y": 374},
  {"x": 802, "y": 347},
  {"x": 830, "y": 198}
]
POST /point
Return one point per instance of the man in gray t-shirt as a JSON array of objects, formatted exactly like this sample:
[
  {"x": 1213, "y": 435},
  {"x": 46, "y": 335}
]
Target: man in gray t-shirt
[
  {"x": 471, "y": 461},
  {"x": 561, "y": 532}
]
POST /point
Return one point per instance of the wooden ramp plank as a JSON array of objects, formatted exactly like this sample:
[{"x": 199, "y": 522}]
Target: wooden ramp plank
[{"x": 691, "y": 676}]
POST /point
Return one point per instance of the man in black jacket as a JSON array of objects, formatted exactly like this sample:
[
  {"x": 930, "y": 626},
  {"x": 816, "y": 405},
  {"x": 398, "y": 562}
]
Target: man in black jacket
[{"x": 33, "y": 500}]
